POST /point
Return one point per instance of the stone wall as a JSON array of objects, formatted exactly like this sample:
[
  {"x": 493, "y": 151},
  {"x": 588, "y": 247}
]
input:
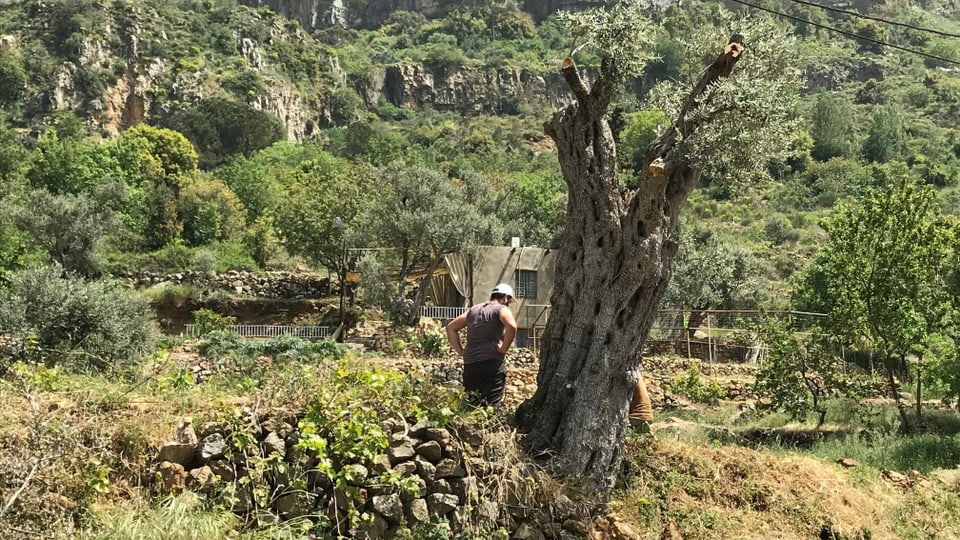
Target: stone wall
[
  {"x": 278, "y": 285},
  {"x": 453, "y": 476}
]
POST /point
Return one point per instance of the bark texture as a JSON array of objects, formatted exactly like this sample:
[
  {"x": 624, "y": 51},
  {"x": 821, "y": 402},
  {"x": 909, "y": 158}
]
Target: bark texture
[{"x": 612, "y": 270}]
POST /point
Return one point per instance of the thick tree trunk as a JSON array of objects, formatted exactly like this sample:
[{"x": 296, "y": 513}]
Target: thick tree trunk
[{"x": 612, "y": 269}]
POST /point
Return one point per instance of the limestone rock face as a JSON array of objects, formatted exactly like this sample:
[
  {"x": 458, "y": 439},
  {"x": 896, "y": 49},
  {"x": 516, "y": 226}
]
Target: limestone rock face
[
  {"x": 465, "y": 91},
  {"x": 317, "y": 14}
]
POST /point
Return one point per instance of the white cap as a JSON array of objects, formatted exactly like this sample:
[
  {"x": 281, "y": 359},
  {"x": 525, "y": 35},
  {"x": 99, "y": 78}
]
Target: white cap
[{"x": 503, "y": 288}]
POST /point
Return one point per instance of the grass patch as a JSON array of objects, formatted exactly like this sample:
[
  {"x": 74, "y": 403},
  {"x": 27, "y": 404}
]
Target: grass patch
[
  {"x": 180, "y": 518},
  {"x": 922, "y": 453}
]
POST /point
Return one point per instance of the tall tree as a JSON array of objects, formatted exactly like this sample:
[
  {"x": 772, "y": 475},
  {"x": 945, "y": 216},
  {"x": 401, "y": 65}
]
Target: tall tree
[
  {"x": 424, "y": 216},
  {"x": 69, "y": 227},
  {"x": 881, "y": 277},
  {"x": 711, "y": 274},
  {"x": 832, "y": 130},
  {"x": 614, "y": 259},
  {"x": 885, "y": 140},
  {"x": 319, "y": 190}
]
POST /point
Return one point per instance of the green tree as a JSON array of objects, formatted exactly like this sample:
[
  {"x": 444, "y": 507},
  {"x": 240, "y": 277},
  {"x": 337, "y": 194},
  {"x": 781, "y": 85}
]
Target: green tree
[
  {"x": 13, "y": 77},
  {"x": 70, "y": 165},
  {"x": 260, "y": 240},
  {"x": 836, "y": 179},
  {"x": 711, "y": 274},
  {"x": 532, "y": 207},
  {"x": 881, "y": 276},
  {"x": 221, "y": 128},
  {"x": 69, "y": 227},
  {"x": 885, "y": 139},
  {"x": 423, "y": 215},
  {"x": 166, "y": 149},
  {"x": 210, "y": 213},
  {"x": 163, "y": 219},
  {"x": 160, "y": 163},
  {"x": 617, "y": 245},
  {"x": 12, "y": 156},
  {"x": 13, "y": 251},
  {"x": 833, "y": 129},
  {"x": 643, "y": 127},
  {"x": 254, "y": 181},
  {"x": 317, "y": 192},
  {"x": 800, "y": 372}
]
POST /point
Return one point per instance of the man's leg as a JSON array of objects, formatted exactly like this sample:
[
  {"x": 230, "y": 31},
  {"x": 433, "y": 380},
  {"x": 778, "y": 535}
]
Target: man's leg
[
  {"x": 492, "y": 389},
  {"x": 472, "y": 379}
]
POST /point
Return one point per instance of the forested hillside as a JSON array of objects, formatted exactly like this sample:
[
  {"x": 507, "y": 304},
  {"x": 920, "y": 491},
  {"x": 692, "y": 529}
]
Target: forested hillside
[
  {"x": 366, "y": 140},
  {"x": 211, "y": 135}
]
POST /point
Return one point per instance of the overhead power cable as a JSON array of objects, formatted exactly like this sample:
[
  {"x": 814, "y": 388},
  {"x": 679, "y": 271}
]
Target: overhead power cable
[
  {"x": 877, "y": 19},
  {"x": 848, "y": 34}
]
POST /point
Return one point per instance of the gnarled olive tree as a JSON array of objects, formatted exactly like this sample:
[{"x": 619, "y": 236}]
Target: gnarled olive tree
[{"x": 617, "y": 245}]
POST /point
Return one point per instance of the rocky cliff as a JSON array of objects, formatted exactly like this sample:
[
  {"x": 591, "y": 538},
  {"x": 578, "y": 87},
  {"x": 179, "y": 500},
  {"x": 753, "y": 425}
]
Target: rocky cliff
[
  {"x": 465, "y": 91},
  {"x": 143, "y": 71},
  {"x": 314, "y": 14}
]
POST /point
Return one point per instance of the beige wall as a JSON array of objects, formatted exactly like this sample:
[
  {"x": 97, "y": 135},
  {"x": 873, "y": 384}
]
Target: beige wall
[{"x": 496, "y": 264}]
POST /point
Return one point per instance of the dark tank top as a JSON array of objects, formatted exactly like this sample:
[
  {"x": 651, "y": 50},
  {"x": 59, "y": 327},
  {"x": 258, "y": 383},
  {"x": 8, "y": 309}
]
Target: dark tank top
[{"x": 484, "y": 333}]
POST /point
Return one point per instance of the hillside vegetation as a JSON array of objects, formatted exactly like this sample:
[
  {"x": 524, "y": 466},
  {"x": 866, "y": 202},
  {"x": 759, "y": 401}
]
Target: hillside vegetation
[
  {"x": 173, "y": 136},
  {"x": 464, "y": 95}
]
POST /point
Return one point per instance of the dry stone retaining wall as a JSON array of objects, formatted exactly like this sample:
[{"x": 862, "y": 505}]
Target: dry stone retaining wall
[
  {"x": 459, "y": 475},
  {"x": 277, "y": 285}
]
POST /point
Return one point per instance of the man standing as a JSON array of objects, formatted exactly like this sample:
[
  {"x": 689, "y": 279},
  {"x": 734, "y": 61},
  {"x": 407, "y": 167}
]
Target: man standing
[{"x": 490, "y": 331}]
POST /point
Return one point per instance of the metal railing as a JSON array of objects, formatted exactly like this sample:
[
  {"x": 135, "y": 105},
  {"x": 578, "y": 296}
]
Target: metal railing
[
  {"x": 270, "y": 330},
  {"x": 442, "y": 312}
]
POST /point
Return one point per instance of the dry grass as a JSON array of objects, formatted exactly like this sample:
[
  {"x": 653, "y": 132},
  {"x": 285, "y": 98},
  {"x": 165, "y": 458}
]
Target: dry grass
[
  {"x": 734, "y": 492},
  {"x": 83, "y": 426}
]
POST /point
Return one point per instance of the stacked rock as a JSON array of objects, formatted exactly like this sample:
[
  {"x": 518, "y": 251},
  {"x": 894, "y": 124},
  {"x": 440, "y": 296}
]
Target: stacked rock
[{"x": 447, "y": 477}]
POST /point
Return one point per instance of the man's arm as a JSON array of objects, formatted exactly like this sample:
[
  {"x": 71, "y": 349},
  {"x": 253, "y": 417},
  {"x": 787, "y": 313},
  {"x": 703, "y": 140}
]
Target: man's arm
[
  {"x": 509, "y": 329},
  {"x": 453, "y": 333}
]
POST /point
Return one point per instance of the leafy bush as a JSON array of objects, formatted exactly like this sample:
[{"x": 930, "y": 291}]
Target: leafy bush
[
  {"x": 210, "y": 212},
  {"x": 429, "y": 339},
  {"x": 72, "y": 322},
  {"x": 231, "y": 351},
  {"x": 233, "y": 256},
  {"x": 690, "y": 385},
  {"x": 219, "y": 343},
  {"x": 207, "y": 321},
  {"x": 174, "y": 257},
  {"x": 285, "y": 345}
]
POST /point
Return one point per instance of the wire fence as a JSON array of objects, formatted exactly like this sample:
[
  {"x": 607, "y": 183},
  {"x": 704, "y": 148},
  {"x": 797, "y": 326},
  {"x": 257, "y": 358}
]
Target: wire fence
[
  {"x": 720, "y": 335},
  {"x": 270, "y": 330},
  {"x": 709, "y": 335}
]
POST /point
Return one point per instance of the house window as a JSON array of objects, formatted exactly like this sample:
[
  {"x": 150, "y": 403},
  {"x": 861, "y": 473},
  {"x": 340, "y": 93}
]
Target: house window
[{"x": 526, "y": 281}]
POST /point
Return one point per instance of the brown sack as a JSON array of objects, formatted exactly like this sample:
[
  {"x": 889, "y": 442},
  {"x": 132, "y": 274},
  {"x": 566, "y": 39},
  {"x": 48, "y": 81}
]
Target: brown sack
[{"x": 640, "y": 406}]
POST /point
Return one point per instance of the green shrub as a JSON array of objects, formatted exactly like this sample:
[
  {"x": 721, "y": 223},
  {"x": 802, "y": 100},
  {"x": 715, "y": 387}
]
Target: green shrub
[
  {"x": 294, "y": 347},
  {"x": 233, "y": 256},
  {"x": 690, "y": 385},
  {"x": 211, "y": 212},
  {"x": 72, "y": 322},
  {"x": 207, "y": 321},
  {"x": 173, "y": 257},
  {"x": 429, "y": 339}
]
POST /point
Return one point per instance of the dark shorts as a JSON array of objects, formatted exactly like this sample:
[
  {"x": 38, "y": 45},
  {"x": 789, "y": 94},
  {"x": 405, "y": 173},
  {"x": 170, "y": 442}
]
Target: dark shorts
[{"x": 485, "y": 381}]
